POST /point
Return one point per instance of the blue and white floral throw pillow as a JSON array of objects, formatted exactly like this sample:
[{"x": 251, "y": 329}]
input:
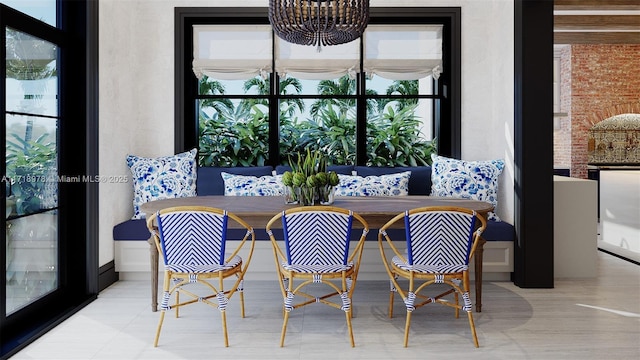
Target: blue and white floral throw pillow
[
  {"x": 383, "y": 185},
  {"x": 243, "y": 185},
  {"x": 477, "y": 180},
  {"x": 162, "y": 178}
]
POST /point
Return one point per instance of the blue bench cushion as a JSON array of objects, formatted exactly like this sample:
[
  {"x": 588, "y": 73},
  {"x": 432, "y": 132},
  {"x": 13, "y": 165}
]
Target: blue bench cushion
[
  {"x": 134, "y": 229},
  {"x": 495, "y": 231},
  {"x": 419, "y": 182},
  {"x": 499, "y": 231}
]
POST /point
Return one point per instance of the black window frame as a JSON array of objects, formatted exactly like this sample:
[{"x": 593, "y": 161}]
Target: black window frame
[{"x": 448, "y": 109}]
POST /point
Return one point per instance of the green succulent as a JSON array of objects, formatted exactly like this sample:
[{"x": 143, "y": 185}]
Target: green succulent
[
  {"x": 287, "y": 178},
  {"x": 333, "y": 178},
  {"x": 322, "y": 178},
  {"x": 312, "y": 181},
  {"x": 299, "y": 179}
]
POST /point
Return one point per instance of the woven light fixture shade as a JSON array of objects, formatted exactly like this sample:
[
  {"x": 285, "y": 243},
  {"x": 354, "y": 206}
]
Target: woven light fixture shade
[{"x": 319, "y": 22}]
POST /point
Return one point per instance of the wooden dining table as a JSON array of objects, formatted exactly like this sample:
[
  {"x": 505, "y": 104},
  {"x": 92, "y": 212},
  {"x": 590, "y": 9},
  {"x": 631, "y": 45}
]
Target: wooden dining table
[{"x": 258, "y": 210}]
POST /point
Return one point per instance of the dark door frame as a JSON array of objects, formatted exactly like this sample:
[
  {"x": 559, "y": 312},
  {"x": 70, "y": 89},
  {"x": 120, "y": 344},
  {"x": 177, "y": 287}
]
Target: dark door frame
[
  {"x": 78, "y": 285},
  {"x": 533, "y": 141}
]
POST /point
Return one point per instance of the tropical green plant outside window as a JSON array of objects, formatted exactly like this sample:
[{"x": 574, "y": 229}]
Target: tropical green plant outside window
[
  {"x": 234, "y": 131},
  {"x": 31, "y": 149}
]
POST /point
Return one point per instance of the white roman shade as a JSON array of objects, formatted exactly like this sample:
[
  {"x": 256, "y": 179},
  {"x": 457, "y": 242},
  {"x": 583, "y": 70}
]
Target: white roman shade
[
  {"x": 407, "y": 52},
  {"x": 306, "y": 62},
  {"x": 228, "y": 52}
]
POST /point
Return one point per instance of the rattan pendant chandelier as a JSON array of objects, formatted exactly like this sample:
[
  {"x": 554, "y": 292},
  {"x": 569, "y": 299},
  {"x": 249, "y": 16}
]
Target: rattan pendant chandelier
[{"x": 319, "y": 22}]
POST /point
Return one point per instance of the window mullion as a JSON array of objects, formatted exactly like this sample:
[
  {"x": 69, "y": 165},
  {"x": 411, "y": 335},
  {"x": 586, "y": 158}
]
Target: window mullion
[
  {"x": 274, "y": 109},
  {"x": 361, "y": 110}
]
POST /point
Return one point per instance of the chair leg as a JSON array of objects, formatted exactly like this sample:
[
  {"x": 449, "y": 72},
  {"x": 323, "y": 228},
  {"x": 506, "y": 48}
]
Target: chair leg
[
  {"x": 349, "y": 327},
  {"x": 456, "y": 299},
  {"x": 242, "y": 304},
  {"x": 155, "y": 341},
  {"x": 469, "y": 307},
  {"x": 348, "y": 311},
  {"x": 392, "y": 290},
  {"x": 473, "y": 328},
  {"x": 406, "y": 329},
  {"x": 164, "y": 305},
  {"x": 177, "y": 302},
  {"x": 240, "y": 290},
  {"x": 391, "y": 303},
  {"x": 284, "y": 328},
  {"x": 223, "y": 316},
  {"x": 287, "y": 307},
  {"x": 222, "y": 306}
]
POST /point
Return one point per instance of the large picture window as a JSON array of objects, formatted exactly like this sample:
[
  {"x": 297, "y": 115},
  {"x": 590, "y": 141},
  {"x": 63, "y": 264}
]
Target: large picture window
[{"x": 248, "y": 98}]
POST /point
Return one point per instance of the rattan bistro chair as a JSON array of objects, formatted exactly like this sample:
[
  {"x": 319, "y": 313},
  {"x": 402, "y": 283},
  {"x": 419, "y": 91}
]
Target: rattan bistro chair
[
  {"x": 440, "y": 241},
  {"x": 317, "y": 243},
  {"x": 192, "y": 243}
]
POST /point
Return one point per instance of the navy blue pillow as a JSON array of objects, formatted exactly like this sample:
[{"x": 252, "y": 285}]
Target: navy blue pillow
[
  {"x": 209, "y": 181},
  {"x": 419, "y": 182},
  {"x": 341, "y": 169}
]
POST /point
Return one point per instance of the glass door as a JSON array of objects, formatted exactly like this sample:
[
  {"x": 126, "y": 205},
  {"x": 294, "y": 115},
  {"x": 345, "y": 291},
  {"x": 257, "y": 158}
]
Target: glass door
[
  {"x": 31, "y": 175},
  {"x": 50, "y": 255}
]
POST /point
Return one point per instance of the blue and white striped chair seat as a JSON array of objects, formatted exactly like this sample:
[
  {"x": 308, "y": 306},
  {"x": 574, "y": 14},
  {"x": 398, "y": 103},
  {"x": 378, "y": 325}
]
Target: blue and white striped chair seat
[
  {"x": 204, "y": 268},
  {"x": 429, "y": 269},
  {"x": 318, "y": 269}
]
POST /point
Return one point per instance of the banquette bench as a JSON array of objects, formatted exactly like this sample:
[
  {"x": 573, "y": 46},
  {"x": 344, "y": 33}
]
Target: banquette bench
[
  {"x": 131, "y": 235},
  {"x": 209, "y": 182}
]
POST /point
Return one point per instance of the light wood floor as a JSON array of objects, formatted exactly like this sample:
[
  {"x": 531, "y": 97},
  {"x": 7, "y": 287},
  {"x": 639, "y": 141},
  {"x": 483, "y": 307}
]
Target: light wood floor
[{"x": 596, "y": 318}]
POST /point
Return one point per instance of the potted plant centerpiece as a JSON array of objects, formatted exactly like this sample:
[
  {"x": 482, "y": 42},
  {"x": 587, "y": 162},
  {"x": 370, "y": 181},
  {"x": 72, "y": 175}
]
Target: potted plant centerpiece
[{"x": 308, "y": 181}]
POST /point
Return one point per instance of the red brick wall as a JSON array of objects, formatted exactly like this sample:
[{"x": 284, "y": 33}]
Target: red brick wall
[{"x": 602, "y": 77}]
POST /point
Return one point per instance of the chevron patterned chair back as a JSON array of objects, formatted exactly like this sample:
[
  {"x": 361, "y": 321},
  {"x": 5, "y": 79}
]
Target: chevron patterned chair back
[
  {"x": 440, "y": 239},
  {"x": 192, "y": 241},
  {"x": 440, "y": 242},
  {"x": 317, "y": 239},
  {"x": 317, "y": 250}
]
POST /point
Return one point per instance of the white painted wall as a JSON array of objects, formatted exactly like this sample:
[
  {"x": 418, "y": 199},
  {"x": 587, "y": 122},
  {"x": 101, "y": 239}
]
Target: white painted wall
[
  {"x": 137, "y": 91},
  {"x": 575, "y": 227}
]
